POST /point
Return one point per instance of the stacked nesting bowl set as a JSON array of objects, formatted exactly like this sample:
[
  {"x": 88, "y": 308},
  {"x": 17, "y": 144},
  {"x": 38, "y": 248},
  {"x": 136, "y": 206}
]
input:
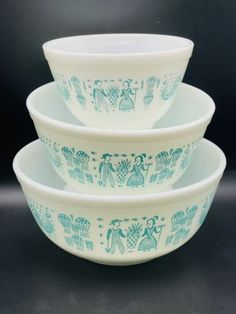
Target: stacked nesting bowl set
[{"x": 121, "y": 173}]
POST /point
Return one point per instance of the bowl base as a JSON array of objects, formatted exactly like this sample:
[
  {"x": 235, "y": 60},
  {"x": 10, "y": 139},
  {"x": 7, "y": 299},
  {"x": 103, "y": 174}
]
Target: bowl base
[{"x": 122, "y": 263}]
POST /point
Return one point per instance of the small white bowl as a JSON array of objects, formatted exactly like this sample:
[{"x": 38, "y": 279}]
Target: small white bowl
[
  {"x": 99, "y": 161},
  {"x": 119, "y": 230},
  {"x": 118, "y": 81}
]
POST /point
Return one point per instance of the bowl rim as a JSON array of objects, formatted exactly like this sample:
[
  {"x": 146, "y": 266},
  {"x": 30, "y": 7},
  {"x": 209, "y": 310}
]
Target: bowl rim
[
  {"x": 49, "y": 49},
  {"x": 118, "y": 200},
  {"x": 145, "y": 135}
]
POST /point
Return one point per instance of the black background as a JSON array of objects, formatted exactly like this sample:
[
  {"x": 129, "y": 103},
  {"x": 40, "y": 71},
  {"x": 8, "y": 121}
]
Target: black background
[{"x": 38, "y": 277}]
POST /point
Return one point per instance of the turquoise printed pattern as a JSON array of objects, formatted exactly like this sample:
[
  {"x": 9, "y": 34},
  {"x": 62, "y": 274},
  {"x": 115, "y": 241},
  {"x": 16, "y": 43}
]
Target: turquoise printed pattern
[
  {"x": 151, "y": 83},
  {"x": 205, "y": 208},
  {"x": 109, "y": 95},
  {"x": 112, "y": 170},
  {"x": 106, "y": 171},
  {"x": 188, "y": 153},
  {"x": 139, "y": 171},
  {"x": 52, "y": 151},
  {"x": 121, "y": 235},
  {"x": 169, "y": 86},
  {"x": 130, "y": 235},
  {"x": 181, "y": 222},
  {"x": 75, "y": 82},
  {"x": 43, "y": 217},
  {"x": 165, "y": 165},
  {"x": 77, "y": 163},
  {"x": 76, "y": 231}
]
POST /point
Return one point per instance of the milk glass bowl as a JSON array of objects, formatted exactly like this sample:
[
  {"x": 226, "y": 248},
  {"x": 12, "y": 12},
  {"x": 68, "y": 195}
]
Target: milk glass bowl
[
  {"x": 99, "y": 161},
  {"x": 117, "y": 230},
  {"x": 121, "y": 81}
]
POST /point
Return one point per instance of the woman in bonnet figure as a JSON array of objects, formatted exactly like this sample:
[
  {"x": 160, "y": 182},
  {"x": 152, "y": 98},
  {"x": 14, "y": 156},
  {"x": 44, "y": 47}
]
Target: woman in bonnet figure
[
  {"x": 126, "y": 102},
  {"x": 137, "y": 177}
]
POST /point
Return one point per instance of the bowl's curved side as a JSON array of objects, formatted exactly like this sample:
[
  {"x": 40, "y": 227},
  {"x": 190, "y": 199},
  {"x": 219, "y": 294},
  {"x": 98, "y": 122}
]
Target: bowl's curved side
[
  {"x": 117, "y": 230},
  {"x": 119, "y": 47},
  {"x": 210, "y": 159},
  {"x": 118, "y": 169},
  {"x": 120, "y": 236},
  {"x": 119, "y": 97},
  {"x": 47, "y": 95},
  {"x": 118, "y": 90}
]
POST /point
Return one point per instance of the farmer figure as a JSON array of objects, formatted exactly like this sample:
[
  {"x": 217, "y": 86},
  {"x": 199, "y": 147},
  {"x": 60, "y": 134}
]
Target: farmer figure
[
  {"x": 114, "y": 235},
  {"x": 105, "y": 171},
  {"x": 99, "y": 96}
]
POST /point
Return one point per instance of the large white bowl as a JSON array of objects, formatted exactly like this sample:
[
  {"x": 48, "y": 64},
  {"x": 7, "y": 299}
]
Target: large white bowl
[
  {"x": 122, "y": 81},
  {"x": 98, "y": 161},
  {"x": 119, "y": 230}
]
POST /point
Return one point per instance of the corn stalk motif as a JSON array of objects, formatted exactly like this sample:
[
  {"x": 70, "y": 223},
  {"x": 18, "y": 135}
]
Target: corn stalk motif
[
  {"x": 133, "y": 234},
  {"x": 113, "y": 95},
  {"x": 122, "y": 171}
]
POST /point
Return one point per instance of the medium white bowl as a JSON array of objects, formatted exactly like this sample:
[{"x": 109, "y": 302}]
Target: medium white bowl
[
  {"x": 119, "y": 230},
  {"x": 121, "y": 81},
  {"x": 99, "y": 161}
]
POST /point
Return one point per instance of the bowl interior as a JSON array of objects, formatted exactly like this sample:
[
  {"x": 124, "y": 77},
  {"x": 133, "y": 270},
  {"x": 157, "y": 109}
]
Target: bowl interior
[
  {"x": 33, "y": 163},
  {"x": 118, "y": 44},
  {"x": 189, "y": 105}
]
